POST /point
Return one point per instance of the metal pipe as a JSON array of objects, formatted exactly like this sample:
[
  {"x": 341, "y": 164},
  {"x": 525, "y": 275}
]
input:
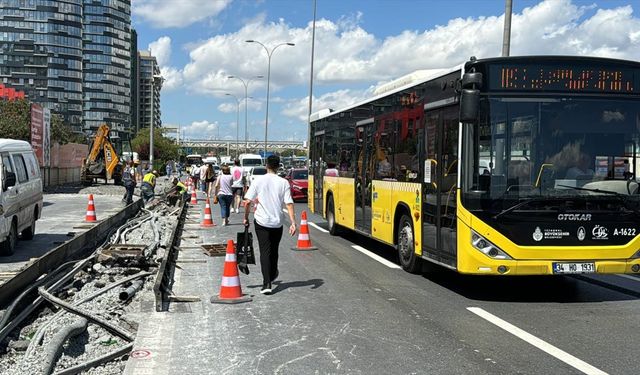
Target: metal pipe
[
  {"x": 74, "y": 309},
  {"x": 37, "y": 338},
  {"x": 128, "y": 293},
  {"x": 54, "y": 348},
  {"x": 97, "y": 361}
]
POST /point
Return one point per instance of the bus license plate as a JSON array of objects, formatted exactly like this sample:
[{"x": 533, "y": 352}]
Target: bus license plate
[{"x": 574, "y": 268}]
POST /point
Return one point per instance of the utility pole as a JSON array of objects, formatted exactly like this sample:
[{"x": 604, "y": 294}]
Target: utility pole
[
  {"x": 506, "y": 37},
  {"x": 313, "y": 43}
]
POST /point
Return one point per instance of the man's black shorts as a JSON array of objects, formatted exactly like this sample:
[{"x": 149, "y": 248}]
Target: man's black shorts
[{"x": 237, "y": 191}]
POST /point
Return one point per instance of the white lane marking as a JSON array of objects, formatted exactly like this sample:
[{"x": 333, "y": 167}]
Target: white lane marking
[
  {"x": 538, "y": 343},
  {"x": 375, "y": 257},
  {"x": 630, "y": 277},
  {"x": 318, "y": 228}
]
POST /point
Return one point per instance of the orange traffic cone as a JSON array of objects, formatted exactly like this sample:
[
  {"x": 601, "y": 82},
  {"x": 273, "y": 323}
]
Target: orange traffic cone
[
  {"x": 207, "y": 221},
  {"x": 194, "y": 197},
  {"x": 230, "y": 290},
  {"x": 91, "y": 211},
  {"x": 304, "y": 241}
]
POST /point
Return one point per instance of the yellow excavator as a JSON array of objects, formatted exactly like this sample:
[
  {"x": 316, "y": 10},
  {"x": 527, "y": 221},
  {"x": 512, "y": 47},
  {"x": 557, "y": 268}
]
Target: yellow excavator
[{"x": 103, "y": 161}]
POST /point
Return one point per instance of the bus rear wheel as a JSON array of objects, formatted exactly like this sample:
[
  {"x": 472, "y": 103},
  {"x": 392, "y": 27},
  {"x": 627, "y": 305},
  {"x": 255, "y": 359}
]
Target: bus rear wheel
[
  {"x": 406, "y": 248},
  {"x": 331, "y": 218}
]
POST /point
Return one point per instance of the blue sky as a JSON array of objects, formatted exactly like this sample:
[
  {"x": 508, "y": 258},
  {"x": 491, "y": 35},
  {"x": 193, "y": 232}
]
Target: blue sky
[{"x": 359, "y": 45}]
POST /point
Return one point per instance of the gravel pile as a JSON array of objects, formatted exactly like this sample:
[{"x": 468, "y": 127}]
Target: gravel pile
[{"x": 95, "y": 341}]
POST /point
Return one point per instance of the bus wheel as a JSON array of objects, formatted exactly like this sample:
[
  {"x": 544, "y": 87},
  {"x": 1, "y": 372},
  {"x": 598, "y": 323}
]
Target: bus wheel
[
  {"x": 406, "y": 249},
  {"x": 331, "y": 218}
]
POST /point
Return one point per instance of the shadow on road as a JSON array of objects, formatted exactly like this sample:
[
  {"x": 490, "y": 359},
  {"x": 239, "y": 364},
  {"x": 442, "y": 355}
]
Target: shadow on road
[
  {"x": 26, "y": 250},
  {"x": 280, "y": 286}
]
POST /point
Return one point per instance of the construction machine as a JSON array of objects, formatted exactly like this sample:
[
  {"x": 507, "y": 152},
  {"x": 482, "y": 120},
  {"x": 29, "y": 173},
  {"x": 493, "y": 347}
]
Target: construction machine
[{"x": 103, "y": 161}]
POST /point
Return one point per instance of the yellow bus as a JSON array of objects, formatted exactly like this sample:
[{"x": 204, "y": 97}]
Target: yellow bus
[{"x": 500, "y": 166}]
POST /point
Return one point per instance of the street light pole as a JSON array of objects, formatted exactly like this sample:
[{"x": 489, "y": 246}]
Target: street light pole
[
  {"x": 269, "y": 54},
  {"x": 246, "y": 121},
  {"x": 237, "y": 123}
]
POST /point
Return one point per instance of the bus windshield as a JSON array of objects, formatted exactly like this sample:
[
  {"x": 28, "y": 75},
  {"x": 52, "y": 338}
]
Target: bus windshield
[
  {"x": 251, "y": 162},
  {"x": 585, "y": 148}
]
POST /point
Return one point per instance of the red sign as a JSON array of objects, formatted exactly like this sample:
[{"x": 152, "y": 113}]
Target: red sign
[{"x": 37, "y": 131}]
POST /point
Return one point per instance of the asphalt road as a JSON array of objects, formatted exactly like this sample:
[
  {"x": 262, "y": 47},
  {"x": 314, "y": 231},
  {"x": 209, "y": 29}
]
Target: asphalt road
[{"x": 338, "y": 310}]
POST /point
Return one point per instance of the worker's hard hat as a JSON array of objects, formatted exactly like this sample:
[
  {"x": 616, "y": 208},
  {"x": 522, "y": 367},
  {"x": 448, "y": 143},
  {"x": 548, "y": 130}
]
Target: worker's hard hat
[
  {"x": 155, "y": 172},
  {"x": 174, "y": 180}
]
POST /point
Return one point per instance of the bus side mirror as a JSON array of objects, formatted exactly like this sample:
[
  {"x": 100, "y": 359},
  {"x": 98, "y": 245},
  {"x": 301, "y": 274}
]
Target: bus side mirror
[
  {"x": 469, "y": 101},
  {"x": 470, "y": 96}
]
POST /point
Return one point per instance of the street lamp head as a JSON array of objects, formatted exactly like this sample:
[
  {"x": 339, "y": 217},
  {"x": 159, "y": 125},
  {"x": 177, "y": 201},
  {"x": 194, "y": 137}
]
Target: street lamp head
[
  {"x": 250, "y": 41},
  {"x": 231, "y": 77},
  {"x": 260, "y": 76},
  {"x": 291, "y": 44}
]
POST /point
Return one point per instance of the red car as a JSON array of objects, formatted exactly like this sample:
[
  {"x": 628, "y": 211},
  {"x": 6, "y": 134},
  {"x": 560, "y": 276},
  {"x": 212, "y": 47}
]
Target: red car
[{"x": 297, "y": 178}]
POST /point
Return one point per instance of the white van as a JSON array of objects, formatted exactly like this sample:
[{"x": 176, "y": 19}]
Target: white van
[
  {"x": 21, "y": 194},
  {"x": 248, "y": 161}
]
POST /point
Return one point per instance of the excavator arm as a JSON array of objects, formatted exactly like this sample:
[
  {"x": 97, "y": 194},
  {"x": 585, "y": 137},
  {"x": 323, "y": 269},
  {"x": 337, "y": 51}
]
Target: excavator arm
[{"x": 103, "y": 160}]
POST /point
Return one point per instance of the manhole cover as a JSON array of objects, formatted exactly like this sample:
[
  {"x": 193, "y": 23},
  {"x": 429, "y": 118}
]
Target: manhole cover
[{"x": 215, "y": 250}]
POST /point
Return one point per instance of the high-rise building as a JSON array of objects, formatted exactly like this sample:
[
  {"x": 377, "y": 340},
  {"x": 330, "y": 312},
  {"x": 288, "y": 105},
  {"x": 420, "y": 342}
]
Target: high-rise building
[
  {"x": 149, "y": 85},
  {"x": 107, "y": 65},
  {"x": 71, "y": 56},
  {"x": 41, "y": 53}
]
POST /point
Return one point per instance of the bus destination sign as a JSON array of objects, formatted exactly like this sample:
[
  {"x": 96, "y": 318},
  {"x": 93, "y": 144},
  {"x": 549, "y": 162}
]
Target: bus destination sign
[{"x": 559, "y": 78}]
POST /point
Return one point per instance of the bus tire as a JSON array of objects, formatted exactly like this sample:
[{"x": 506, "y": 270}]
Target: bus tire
[
  {"x": 406, "y": 246},
  {"x": 334, "y": 230}
]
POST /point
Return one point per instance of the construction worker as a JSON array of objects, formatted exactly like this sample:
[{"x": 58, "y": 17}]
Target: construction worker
[
  {"x": 149, "y": 185},
  {"x": 178, "y": 189}
]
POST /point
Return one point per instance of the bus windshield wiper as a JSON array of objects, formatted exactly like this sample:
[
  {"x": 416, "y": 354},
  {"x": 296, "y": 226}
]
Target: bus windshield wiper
[
  {"x": 518, "y": 205},
  {"x": 623, "y": 197}
]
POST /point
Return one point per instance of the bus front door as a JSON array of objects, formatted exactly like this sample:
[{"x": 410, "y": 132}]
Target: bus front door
[
  {"x": 363, "y": 176},
  {"x": 318, "y": 170}
]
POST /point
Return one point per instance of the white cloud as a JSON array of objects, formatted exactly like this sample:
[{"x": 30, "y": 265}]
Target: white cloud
[
  {"x": 299, "y": 108},
  {"x": 346, "y": 53},
  {"x": 161, "y": 49},
  {"x": 176, "y": 13},
  {"x": 200, "y": 130}
]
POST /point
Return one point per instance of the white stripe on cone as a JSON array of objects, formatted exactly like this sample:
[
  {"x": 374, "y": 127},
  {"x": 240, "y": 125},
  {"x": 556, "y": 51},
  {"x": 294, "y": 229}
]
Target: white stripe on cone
[
  {"x": 91, "y": 213},
  {"x": 303, "y": 237},
  {"x": 303, "y": 222},
  {"x": 230, "y": 281},
  {"x": 230, "y": 258}
]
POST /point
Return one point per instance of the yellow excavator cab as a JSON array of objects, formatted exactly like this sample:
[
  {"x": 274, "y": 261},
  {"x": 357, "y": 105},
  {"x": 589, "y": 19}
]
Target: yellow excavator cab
[{"x": 103, "y": 160}]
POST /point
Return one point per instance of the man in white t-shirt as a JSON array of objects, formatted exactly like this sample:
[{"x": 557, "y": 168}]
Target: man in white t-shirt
[
  {"x": 237, "y": 185},
  {"x": 273, "y": 193}
]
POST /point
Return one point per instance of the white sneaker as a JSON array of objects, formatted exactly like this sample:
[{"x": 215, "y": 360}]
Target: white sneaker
[{"x": 236, "y": 210}]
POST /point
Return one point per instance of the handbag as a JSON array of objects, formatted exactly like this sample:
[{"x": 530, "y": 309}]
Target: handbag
[
  {"x": 245, "y": 254},
  {"x": 215, "y": 199}
]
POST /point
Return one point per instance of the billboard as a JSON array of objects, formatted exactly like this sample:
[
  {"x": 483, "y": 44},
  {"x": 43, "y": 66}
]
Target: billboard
[{"x": 37, "y": 132}]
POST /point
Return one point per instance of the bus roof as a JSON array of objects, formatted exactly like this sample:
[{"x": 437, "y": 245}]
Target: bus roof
[{"x": 421, "y": 78}]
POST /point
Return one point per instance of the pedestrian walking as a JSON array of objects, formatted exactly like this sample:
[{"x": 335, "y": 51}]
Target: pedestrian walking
[
  {"x": 139, "y": 173},
  {"x": 129, "y": 178},
  {"x": 224, "y": 192},
  {"x": 203, "y": 177},
  {"x": 148, "y": 186},
  {"x": 169, "y": 168},
  {"x": 273, "y": 193},
  {"x": 238, "y": 185},
  {"x": 195, "y": 175},
  {"x": 210, "y": 178}
]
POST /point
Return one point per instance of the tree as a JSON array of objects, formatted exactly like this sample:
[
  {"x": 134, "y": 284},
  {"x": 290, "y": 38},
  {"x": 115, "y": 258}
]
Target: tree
[
  {"x": 61, "y": 132},
  {"x": 15, "y": 119},
  {"x": 163, "y": 148}
]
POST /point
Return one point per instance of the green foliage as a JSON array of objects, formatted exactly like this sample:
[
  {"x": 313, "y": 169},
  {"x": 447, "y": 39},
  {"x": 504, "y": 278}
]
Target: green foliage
[
  {"x": 163, "y": 148},
  {"x": 61, "y": 133},
  {"x": 15, "y": 123},
  {"x": 15, "y": 119}
]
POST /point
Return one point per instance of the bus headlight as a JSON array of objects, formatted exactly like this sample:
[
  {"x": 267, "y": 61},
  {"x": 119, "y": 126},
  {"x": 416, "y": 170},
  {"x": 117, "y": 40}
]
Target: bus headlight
[{"x": 487, "y": 248}]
